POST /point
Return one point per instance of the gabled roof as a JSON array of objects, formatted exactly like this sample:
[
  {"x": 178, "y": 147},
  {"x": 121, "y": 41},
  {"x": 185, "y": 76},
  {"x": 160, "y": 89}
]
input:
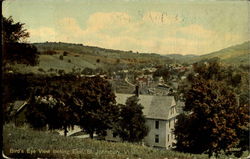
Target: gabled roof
[
  {"x": 155, "y": 107},
  {"x": 18, "y": 106}
]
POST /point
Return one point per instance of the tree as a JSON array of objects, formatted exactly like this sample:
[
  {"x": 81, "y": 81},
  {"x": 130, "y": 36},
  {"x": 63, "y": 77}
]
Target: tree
[
  {"x": 51, "y": 111},
  {"x": 164, "y": 72},
  {"x": 87, "y": 71},
  {"x": 51, "y": 103},
  {"x": 131, "y": 125},
  {"x": 61, "y": 57},
  {"x": 209, "y": 69},
  {"x": 96, "y": 102},
  {"x": 13, "y": 88},
  {"x": 13, "y": 32},
  {"x": 212, "y": 119},
  {"x": 39, "y": 112},
  {"x": 213, "y": 92},
  {"x": 15, "y": 51}
]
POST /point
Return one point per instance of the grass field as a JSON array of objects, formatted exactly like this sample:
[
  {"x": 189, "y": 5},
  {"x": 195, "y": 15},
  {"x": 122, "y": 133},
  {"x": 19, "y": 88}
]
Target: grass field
[
  {"x": 24, "y": 142},
  {"x": 27, "y": 143}
]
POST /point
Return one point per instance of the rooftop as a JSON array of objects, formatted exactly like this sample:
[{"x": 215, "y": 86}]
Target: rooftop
[{"x": 155, "y": 107}]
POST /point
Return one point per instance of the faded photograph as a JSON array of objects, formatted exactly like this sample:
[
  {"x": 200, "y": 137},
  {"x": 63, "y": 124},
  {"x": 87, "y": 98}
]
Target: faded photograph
[{"x": 125, "y": 79}]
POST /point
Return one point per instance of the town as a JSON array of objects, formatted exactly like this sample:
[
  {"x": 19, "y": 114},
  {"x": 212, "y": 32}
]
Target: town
[{"x": 125, "y": 79}]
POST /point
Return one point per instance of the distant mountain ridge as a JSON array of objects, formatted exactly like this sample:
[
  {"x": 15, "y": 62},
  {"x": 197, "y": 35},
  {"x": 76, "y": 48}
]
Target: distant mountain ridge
[
  {"x": 237, "y": 54},
  {"x": 181, "y": 58}
]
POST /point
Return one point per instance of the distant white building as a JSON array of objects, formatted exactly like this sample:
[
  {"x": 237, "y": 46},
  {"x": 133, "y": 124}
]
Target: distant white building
[{"x": 160, "y": 113}]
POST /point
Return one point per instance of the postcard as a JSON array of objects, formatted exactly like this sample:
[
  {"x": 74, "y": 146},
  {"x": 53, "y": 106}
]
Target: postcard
[{"x": 125, "y": 79}]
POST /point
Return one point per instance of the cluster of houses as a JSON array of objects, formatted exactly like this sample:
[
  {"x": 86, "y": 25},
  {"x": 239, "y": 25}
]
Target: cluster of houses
[
  {"x": 160, "y": 113},
  {"x": 159, "y": 109}
]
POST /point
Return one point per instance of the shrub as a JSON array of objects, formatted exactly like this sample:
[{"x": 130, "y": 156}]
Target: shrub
[
  {"x": 49, "y": 52},
  {"x": 61, "y": 57},
  {"x": 65, "y": 53},
  {"x": 41, "y": 70}
]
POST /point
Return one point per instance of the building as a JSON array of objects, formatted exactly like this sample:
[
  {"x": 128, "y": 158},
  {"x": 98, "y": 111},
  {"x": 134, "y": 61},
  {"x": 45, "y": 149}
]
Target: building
[
  {"x": 160, "y": 113},
  {"x": 17, "y": 113}
]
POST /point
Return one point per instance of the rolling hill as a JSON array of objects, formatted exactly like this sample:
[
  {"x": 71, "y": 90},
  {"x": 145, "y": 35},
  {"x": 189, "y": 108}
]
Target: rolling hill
[
  {"x": 65, "y": 56},
  {"x": 111, "y": 56},
  {"x": 236, "y": 55}
]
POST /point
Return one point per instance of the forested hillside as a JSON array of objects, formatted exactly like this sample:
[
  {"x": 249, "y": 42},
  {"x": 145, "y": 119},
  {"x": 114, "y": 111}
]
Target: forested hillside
[{"x": 236, "y": 55}]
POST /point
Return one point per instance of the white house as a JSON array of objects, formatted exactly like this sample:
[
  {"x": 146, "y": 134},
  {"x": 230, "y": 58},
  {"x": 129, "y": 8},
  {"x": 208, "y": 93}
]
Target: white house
[{"x": 160, "y": 113}]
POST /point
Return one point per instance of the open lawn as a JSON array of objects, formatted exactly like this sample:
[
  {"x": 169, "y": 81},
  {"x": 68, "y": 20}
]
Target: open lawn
[{"x": 27, "y": 143}]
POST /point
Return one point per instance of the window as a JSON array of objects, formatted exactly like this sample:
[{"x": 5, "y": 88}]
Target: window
[
  {"x": 156, "y": 138},
  {"x": 169, "y": 123},
  {"x": 168, "y": 137},
  {"x": 172, "y": 110},
  {"x": 157, "y": 124}
]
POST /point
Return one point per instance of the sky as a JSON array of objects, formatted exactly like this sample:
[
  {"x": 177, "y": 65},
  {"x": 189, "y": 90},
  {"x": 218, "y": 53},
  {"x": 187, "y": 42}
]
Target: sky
[{"x": 149, "y": 26}]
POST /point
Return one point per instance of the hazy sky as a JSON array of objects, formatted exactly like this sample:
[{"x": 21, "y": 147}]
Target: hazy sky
[{"x": 159, "y": 26}]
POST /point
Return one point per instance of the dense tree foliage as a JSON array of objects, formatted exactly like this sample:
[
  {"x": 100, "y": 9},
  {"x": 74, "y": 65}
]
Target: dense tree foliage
[
  {"x": 97, "y": 106},
  {"x": 64, "y": 101},
  {"x": 13, "y": 32},
  {"x": 164, "y": 72},
  {"x": 14, "y": 88},
  {"x": 21, "y": 53},
  {"x": 15, "y": 51},
  {"x": 215, "y": 119},
  {"x": 131, "y": 125},
  {"x": 51, "y": 102}
]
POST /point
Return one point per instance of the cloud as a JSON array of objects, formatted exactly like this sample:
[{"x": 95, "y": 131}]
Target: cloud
[
  {"x": 43, "y": 34},
  {"x": 197, "y": 31},
  {"x": 152, "y": 32},
  {"x": 104, "y": 20},
  {"x": 70, "y": 26}
]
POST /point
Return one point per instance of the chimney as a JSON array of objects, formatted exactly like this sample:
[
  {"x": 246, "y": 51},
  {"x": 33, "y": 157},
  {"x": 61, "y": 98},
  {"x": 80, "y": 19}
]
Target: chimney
[{"x": 137, "y": 90}]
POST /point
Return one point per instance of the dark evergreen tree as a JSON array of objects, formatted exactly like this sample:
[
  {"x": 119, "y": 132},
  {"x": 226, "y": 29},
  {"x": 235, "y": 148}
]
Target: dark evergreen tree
[{"x": 132, "y": 124}]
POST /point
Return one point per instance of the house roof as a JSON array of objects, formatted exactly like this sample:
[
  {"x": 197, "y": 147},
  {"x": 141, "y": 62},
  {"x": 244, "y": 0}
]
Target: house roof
[
  {"x": 155, "y": 107},
  {"x": 18, "y": 106}
]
